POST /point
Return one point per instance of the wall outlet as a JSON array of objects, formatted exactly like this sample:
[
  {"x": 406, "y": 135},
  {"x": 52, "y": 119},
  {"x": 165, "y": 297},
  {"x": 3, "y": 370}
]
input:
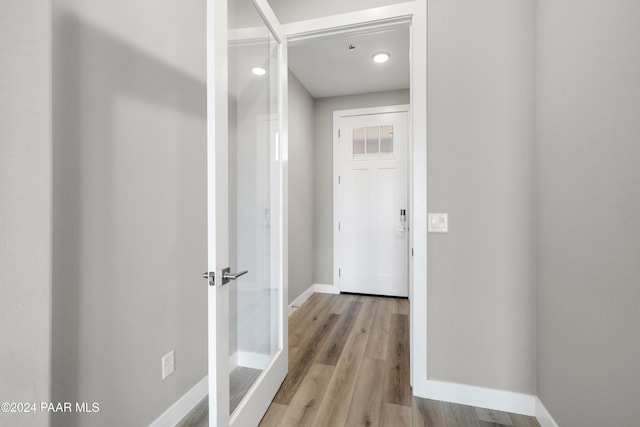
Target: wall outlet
[{"x": 167, "y": 364}]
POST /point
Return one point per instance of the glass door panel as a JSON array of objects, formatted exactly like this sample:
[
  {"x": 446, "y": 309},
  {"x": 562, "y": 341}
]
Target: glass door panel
[
  {"x": 254, "y": 198},
  {"x": 246, "y": 206}
]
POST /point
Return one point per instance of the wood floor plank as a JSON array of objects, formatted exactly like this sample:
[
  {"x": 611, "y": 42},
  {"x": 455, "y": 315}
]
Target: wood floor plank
[
  {"x": 307, "y": 307},
  {"x": 299, "y": 367},
  {"x": 428, "y": 413},
  {"x": 454, "y": 414},
  {"x": 471, "y": 417},
  {"x": 396, "y": 376},
  {"x": 367, "y": 396},
  {"x": 304, "y": 405},
  {"x": 339, "y": 303},
  {"x": 491, "y": 416},
  {"x": 523, "y": 421},
  {"x": 273, "y": 415},
  {"x": 330, "y": 352},
  {"x": 305, "y": 317},
  {"x": 395, "y": 415},
  {"x": 334, "y": 408},
  {"x": 367, "y": 313},
  {"x": 379, "y": 333},
  {"x": 401, "y": 306}
]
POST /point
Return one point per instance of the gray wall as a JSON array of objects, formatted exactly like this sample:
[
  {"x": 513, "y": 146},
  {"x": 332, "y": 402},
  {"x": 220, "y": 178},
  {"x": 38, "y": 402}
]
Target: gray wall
[
  {"x": 129, "y": 206},
  {"x": 588, "y": 199},
  {"x": 481, "y": 278},
  {"x": 25, "y": 206},
  {"x": 302, "y": 215},
  {"x": 323, "y": 157}
]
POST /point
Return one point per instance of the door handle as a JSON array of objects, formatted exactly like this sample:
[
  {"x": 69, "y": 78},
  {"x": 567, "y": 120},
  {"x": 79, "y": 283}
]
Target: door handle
[{"x": 227, "y": 275}]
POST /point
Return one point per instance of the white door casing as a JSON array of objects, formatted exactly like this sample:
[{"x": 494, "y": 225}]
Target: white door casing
[{"x": 371, "y": 204}]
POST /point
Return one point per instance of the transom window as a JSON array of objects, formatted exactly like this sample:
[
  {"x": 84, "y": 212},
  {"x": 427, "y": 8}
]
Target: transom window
[{"x": 373, "y": 142}]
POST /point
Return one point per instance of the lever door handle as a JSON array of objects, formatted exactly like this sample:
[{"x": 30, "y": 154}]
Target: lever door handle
[{"x": 227, "y": 276}]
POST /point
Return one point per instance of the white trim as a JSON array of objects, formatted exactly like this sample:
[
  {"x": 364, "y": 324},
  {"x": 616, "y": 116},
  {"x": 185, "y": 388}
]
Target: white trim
[
  {"x": 489, "y": 398},
  {"x": 402, "y": 108},
  {"x": 296, "y": 303},
  {"x": 418, "y": 119},
  {"x": 335, "y": 24},
  {"x": 325, "y": 289},
  {"x": 544, "y": 417},
  {"x": 183, "y": 406}
]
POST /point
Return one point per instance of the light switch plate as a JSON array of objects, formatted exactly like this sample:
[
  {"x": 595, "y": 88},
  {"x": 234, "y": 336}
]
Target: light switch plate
[{"x": 438, "y": 223}]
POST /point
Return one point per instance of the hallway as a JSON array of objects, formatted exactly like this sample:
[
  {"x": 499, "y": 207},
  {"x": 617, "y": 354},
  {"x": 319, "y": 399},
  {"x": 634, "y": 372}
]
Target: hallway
[{"x": 349, "y": 366}]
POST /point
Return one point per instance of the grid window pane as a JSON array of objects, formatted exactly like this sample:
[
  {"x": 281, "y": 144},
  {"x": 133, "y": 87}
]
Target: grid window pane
[
  {"x": 358, "y": 143},
  {"x": 373, "y": 142},
  {"x": 386, "y": 141}
]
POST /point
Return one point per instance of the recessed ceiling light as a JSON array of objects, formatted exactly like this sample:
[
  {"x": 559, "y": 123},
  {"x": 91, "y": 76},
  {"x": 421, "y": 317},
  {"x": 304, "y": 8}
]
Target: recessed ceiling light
[
  {"x": 258, "y": 71},
  {"x": 380, "y": 57}
]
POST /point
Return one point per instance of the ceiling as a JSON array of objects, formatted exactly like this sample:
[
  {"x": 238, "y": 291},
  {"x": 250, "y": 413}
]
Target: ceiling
[{"x": 326, "y": 66}]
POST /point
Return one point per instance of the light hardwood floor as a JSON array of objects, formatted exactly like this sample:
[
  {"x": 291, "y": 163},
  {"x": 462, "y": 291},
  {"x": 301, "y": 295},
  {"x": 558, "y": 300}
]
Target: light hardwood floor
[{"x": 349, "y": 366}]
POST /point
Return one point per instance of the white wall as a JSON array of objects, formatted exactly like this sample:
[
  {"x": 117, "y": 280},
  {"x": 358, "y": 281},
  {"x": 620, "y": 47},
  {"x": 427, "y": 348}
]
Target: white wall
[
  {"x": 323, "y": 157},
  {"x": 588, "y": 227},
  {"x": 129, "y": 206},
  {"x": 302, "y": 215},
  {"x": 25, "y": 206},
  {"x": 481, "y": 277}
]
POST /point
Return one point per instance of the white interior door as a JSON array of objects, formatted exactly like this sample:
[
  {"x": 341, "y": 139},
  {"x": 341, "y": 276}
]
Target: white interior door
[
  {"x": 246, "y": 92},
  {"x": 371, "y": 183}
]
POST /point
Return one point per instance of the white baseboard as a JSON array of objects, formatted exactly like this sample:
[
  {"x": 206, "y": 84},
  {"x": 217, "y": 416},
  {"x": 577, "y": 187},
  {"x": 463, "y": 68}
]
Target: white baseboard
[
  {"x": 184, "y": 405},
  {"x": 326, "y": 289},
  {"x": 463, "y": 394},
  {"x": 544, "y": 417},
  {"x": 296, "y": 303}
]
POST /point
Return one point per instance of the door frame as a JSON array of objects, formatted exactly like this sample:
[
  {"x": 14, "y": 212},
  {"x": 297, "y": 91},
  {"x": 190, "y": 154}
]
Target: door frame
[
  {"x": 413, "y": 13},
  {"x": 257, "y": 400},
  {"x": 340, "y": 114}
]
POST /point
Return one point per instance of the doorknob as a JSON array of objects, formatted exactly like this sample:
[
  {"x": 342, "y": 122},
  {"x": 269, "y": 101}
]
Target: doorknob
[{"x": 227, "y": 276}]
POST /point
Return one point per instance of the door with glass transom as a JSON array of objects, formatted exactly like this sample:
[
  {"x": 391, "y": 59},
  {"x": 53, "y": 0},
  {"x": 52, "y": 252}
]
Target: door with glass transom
[
  {"x": 246, "y": 158},
  {"x": 371, "y": 234}
]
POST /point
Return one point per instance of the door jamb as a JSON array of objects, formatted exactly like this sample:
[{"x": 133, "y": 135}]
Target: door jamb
[
  {"x": 414, "y": 12},
  {"x": 340, "y": 114}
]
